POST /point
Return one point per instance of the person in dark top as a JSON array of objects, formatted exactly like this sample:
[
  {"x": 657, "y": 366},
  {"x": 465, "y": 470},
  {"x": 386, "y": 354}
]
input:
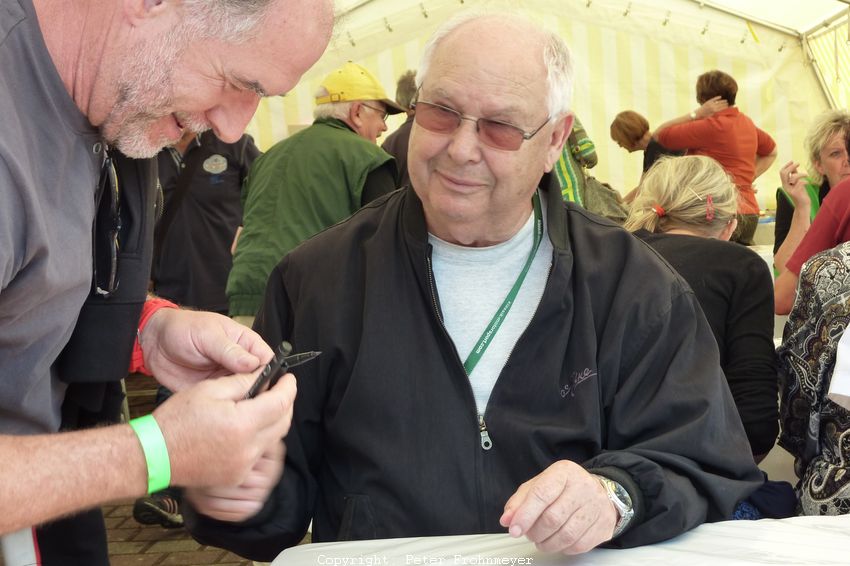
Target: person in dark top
[
  {"x": 201, "y": 214},
  {"x": 827, "y": 153},
  {"x": 396, "y": 143},
  {"x": 686, "y": 211},
  {"x": 631, "y": 132},
  {"x": 201, "y": 179}
]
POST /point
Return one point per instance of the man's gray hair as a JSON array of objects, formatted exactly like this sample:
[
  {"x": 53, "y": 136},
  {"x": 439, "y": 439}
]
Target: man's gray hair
[
  {"x": 556, "y": 58},
  {"x": 338, "y": 110},
  {"x": 233, "y": 21}
]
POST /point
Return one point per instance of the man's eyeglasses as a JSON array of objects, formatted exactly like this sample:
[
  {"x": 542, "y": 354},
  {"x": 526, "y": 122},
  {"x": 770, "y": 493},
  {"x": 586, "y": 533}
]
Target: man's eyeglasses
[
  {"x": 383, "y": 112},
  {"x": 492, "y": 133},
  {"x": 106, "y": 229}
]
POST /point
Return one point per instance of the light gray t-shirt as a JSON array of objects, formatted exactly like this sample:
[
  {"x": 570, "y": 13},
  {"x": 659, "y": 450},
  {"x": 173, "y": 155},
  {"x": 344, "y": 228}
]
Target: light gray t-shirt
[
  {"x": 473, "y": 282},
  {"x": 49, "y": 166}
]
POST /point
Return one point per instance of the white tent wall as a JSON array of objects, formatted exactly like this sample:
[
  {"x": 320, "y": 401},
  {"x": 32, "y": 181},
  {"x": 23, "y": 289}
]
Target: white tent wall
[
  {"x": 830, "y": 51},
  {"x": 643, "y": 55}
]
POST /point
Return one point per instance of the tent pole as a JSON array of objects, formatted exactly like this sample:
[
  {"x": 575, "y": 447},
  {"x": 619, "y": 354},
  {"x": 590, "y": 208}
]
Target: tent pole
[{"x": 821, "y": 80}]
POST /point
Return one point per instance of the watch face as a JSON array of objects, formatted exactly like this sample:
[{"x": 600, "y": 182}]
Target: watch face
[
  {"x": 623, "y": 495},
  {"x": 622, "y": 501}
]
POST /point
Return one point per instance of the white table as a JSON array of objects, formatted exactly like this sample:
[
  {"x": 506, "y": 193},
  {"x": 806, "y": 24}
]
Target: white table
[{"x": 817, "y": 541}]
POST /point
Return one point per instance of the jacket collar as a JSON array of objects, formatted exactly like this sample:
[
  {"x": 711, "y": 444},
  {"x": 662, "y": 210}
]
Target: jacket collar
[
  {"x": 416, "y": 231},
  {"x": 334, "y": 123}
]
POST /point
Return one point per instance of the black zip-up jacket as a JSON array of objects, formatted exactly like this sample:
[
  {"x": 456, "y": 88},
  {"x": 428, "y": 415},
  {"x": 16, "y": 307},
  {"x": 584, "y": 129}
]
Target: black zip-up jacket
[{"x": 617, "y": 371}]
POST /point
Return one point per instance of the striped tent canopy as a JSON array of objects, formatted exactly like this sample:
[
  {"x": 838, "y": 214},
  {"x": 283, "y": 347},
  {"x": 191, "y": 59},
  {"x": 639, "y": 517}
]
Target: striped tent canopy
[{"x": 791, "y": 60}]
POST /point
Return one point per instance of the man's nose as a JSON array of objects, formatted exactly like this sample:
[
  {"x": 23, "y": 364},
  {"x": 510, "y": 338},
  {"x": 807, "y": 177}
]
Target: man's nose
[
  {"x": 464, "y": 143},
  {"x": 229, "y": 120}
]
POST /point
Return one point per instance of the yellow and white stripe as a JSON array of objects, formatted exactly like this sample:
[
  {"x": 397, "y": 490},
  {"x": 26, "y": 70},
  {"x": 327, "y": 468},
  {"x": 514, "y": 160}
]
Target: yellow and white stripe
[{"x": 623, "y": 61}]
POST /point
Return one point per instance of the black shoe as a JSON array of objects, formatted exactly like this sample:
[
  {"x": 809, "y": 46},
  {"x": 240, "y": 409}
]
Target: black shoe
[{"x": 158, "y": 509}]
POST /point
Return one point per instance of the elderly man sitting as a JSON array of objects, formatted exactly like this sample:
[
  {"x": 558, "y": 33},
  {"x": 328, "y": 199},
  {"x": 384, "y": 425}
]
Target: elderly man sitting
[{"x": 493, "y": 358}]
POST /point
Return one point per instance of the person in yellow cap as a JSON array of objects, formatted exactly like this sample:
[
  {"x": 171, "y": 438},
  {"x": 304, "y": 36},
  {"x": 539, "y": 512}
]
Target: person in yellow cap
[{"x": 312, "y": 180}]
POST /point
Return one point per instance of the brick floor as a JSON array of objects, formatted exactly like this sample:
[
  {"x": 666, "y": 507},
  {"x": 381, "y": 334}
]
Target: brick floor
[
  {"x": 132, "y": 544},
  {"x": 144, "y": 545}
]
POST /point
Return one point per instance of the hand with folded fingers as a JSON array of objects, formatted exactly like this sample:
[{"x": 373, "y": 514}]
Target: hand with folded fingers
[
  {"x": 215, "y": 437},
  {"x": 182, "y": 347},
  {"x": 711, "y": 107},
  {"x": 563, "y": 509},
  {"x": 794, "y": 183},
  {"x": 240, "y": 502}
]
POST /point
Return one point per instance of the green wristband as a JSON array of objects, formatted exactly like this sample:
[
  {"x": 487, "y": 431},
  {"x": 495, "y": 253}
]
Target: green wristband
[{"x": 156, "y": 452}]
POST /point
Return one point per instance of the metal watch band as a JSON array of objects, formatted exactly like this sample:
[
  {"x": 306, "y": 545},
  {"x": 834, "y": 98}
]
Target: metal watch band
[{"x": 621, "y": 500}]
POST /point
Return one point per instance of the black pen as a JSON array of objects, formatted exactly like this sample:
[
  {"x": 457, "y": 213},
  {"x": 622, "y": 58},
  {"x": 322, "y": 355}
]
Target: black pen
[{"x": 278, "y": 366}]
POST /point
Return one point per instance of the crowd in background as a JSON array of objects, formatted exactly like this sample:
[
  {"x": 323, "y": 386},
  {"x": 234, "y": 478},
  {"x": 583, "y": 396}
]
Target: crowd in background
[
  {"x": 391, "y": 260},
  {"x": 695, "y": 200}
]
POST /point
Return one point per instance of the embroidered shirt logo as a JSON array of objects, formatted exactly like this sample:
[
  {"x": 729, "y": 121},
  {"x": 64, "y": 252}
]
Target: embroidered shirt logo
[
  {"x": 215, "y": 164},
  {"x": 576, "y": 379}
]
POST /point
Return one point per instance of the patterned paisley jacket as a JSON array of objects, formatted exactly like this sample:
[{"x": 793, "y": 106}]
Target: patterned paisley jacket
[{"x": 815, "y": 430}]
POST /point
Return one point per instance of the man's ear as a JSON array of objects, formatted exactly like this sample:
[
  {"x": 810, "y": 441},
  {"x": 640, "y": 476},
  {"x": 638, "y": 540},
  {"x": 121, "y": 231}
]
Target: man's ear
[
  {"x": 137, "y": 12},
  {"x": 557, "y": 139},
  {"x": 354, "y": 119}
]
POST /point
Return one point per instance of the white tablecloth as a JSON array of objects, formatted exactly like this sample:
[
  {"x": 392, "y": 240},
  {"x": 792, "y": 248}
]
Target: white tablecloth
[{"x": 817, "y": 541}]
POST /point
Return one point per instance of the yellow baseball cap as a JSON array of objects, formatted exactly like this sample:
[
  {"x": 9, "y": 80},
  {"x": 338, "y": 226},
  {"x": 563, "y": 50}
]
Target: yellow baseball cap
[{"x": 352, "y": 82}]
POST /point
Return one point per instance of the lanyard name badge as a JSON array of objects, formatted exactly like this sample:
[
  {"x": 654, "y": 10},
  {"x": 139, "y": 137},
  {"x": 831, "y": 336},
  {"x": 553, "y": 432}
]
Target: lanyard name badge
[{"x": 486, "y": 337}]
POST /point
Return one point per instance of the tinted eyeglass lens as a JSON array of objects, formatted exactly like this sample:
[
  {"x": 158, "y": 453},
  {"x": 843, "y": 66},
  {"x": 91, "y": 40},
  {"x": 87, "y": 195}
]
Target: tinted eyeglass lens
[
  {"x": 443, "y": 120},
  {"x": 499, "y": 135},
  {"x": 436, "y": 118}
]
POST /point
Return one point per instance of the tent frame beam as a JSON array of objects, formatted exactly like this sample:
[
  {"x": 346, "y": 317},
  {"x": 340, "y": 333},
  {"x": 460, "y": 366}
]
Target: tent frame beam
[
  {"x": 749, "y": 18},
  {"x": 829, "y": 21}
]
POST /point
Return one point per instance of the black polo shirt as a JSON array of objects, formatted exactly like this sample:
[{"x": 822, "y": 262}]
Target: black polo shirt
[{"x": 194, "y": 257}]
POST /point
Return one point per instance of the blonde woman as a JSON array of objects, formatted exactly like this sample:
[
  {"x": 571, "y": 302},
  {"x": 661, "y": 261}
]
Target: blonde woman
[
  {"x": 806, "y": 233},
  {"x": 800, "y": 197},
  {"x": 686, "y": 210}
]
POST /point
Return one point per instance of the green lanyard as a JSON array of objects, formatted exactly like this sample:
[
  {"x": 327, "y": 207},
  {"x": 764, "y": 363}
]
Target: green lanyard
[{"x": 484, "y": 341}]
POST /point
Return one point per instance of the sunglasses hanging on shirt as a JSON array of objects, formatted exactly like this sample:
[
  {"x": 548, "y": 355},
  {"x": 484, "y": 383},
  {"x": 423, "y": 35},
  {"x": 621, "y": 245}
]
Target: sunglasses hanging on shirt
[{"x": 107, "y": 226}]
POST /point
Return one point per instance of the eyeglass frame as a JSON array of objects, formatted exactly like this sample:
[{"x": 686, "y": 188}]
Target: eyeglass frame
[
  {"x": 108, "y": 181},
  {"x": 525, "y": 135},
  {"x": 384, "y": 113}
]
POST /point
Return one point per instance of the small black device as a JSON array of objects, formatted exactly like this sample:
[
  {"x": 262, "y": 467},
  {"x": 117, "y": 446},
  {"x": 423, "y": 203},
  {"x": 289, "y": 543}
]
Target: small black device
[{"x": 279, "y": 365}]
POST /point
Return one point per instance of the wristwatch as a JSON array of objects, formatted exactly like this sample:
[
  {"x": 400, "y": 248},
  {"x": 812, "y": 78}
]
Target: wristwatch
[
  {"x": 693, "y": 114},
  {"x": 622, "y": 502}
]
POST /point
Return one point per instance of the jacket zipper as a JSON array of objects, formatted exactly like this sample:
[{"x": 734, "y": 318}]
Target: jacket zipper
[
  {"x": 486, "y": 442},
  {"x": 482, "y": 428}
]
